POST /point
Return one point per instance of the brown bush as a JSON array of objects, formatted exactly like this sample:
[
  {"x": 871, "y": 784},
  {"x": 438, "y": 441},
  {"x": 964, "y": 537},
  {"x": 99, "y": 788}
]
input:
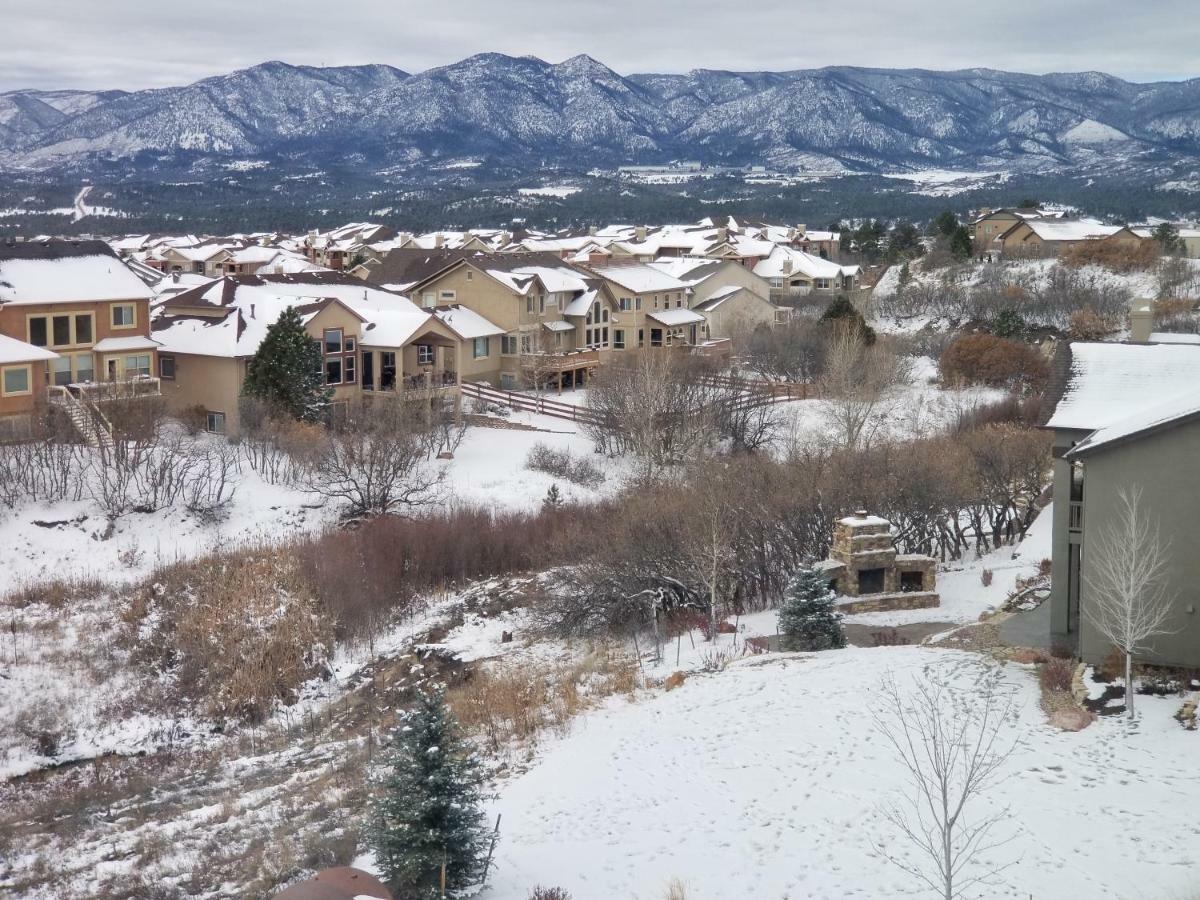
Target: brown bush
[
  {"x": 549, "y": 893},
  {"x": 1088, "y": 325},
  {"x": 237, "y": 632},
  {"x": 994, "y": 361},
  {"x": 1175, "y": 314},
  {"x": 1115, "y": 255},
  {"x": 1056, "y": 675}
]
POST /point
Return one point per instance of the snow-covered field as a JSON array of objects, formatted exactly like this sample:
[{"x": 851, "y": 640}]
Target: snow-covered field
[{"x": 765, "y": 781}]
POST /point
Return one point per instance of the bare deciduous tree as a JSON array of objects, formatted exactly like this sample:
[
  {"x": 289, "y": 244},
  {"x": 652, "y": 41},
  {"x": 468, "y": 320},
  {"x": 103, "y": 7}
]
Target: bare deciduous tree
[
  {"x": 378, "y": 460},
  {"x": 856, "y": 385},
  {"x": 950, "y": 743},
  {"x": 1128, "y": 600}
]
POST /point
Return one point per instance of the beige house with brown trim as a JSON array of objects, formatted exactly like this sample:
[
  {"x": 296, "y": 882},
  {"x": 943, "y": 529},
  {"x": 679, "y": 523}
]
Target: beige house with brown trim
[{"x": 86, "y": 319}]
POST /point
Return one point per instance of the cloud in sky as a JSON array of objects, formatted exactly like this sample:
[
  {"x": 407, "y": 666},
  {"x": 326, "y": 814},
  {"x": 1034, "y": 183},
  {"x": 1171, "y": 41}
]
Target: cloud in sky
[{"x": 134, "y": 44}]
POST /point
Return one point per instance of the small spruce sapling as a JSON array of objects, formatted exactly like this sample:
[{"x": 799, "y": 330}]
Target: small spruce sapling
[
  {"x": 426, "y": 806},
  {"x": 553, "y": 499},
  {"x": 807, "y": 620}
]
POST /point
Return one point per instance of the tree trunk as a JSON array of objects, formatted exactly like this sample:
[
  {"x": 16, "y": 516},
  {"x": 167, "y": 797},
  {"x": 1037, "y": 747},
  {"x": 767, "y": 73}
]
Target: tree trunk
[{"x": 1129, "y": 685}]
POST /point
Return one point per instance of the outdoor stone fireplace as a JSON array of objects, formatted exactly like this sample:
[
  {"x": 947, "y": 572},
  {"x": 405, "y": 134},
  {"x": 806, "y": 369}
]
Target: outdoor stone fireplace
[{"x": 863, "y": 563}]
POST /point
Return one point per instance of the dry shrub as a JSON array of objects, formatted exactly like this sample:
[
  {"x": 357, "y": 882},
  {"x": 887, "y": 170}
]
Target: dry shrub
[
  {"x": 564, "y": 464},
  {"x": 56, "y": 593},
  {"x": 1175, "y": 314},
  {"x": 676, "y": 890},
  {"x": 1055, "y": 675},
  {"x": 512, "y": 704},
  {"x": 237, "y": 632},
  {"x": 549, "y": 893},
  {"x": 1088, "y": 325},
  {"x": 994, "y": 361},
  {"x": 1115, "y": 255},
  {"x": 985, "y": 577}
]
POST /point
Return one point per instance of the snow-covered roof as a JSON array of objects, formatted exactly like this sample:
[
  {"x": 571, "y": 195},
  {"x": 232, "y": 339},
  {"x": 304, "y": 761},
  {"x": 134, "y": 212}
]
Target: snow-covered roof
[
  {"x": 1170, "y": 337},
  {"x": 392, "y": 327},
  {"x": 640, "y": 278},
  {"x": 1158, "y": 415},
  {"x": 14, "y": 351},
  {"x": 581, "y": 304},
  {"x": 559, "y": 325},
  {"x": 720, "y": 296},
  {"x": 121, "y": 344},
  {"x": 674, "y": 317},
  {"x": 861, "y": 521},
  {"x": 466, "y": 322},
  {"x": 785, "y": 262},
  {"x": 69, "y": 279},
  {"x": 1109, "y": 382},
  {"x": 1070, "y": 229}
]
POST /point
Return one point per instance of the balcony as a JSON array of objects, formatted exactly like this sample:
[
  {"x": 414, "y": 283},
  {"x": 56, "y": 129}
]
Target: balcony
[
  {"x": 1075, "y": 516},
  {"x": 137, "y": 388}
]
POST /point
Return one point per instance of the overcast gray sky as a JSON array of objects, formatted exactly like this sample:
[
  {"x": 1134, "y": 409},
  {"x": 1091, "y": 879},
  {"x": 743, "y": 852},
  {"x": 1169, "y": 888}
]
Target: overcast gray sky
[{"x": 138, "y": 43}]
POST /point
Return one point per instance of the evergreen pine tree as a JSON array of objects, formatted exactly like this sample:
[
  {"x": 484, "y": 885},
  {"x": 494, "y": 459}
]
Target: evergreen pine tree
[
  {"x": 807, "y": 620},
  {"x": 905, "y": 274},
  {"x": 960, "y": 243},
  {"x": 553, "y": 499},
  {"x": 426, "y": 806},
  {"x": 286, "y": 372}
]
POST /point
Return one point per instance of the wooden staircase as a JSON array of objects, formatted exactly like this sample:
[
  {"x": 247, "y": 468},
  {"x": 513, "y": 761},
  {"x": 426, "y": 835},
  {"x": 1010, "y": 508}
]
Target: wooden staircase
[{"x": 91, "y": 424}]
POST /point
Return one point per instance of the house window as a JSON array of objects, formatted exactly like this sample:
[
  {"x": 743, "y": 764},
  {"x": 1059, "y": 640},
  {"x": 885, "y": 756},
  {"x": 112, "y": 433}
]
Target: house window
[
  {"x": 333, "y": 370},
  {"x": 387, "y": 370},
  {"x": 641, "y": 337},
  {"x": 656, "y": 301},
  {"x": 215, "y": 422},
  {"x": 349, "y": 363},
  {"x": 60, "y": 371},
  {"x": 470, "y": 275},
  {"x": 479, "y": 348},
  {"x": 508, "y": 344},
  {"x": 124, "y": 315},
  {"x": 83, "y": 328},
  {"x": 822, "y": 284},
  {"x": 350, "y": 344},
  {"x": 17, "y": 381},
  {"x": 429, "y": 300},
  {"x": 425, "y": 354},
  {"x": 604, "y": 315},
  {"x": 447, "y": 296},
  {"x": 137, "y": 366},
  {"x": 333, "y": 340},
  {"x": 529, "y": 304},
  {"x": 526, "y": 343},
  {"x": 626, "y": 304},
  {"x": 618, "y": 338},
  {"x": 777, "y": 283},
  {"x": 637, "y": 303},
  {"x": 166, "y": 367},
  {"x": 62, "y": 331},
  {"x": 37, "y": 331},
  {"x": 541, "y": 303},
  {"x": 83, "y": 368},
  {"x": 604, "y": 336}
]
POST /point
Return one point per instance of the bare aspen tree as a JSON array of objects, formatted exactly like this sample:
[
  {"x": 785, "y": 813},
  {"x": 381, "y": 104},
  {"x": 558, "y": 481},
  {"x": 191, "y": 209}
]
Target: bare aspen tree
[
  {"x": 950, "y": 744},
  {"x": 857, "y": 382},
  {"x": 1127, "y": 596}
]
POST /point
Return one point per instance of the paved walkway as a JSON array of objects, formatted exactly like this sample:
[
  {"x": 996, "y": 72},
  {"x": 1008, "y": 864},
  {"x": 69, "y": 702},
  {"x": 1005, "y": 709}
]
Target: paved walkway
[{"x": 1030, "y": 628}]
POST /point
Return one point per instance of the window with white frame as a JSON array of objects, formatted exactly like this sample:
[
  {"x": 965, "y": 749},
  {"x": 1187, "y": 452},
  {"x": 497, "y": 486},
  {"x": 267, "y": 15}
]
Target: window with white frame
[
  {"x": 447, "y": 296},
  {"x": 166, "y": 367},
  {"x": 425, "y": 354},
  {"x": 626, "y": 304},
  {"x": 777, "y": 283},
  {"x": 618, "y": 339},
  {"x": 527, "y": 343},
  {"x": 215, "y": 422},
  {"x": 508, "y": 345},
  {"x": 17, "y": 381},
  {"x": 137, "y": 366},
  {"x": 822, "y": 284},
  {"x": 479, "y": 348},
  {"x": 124, "y": 315}
]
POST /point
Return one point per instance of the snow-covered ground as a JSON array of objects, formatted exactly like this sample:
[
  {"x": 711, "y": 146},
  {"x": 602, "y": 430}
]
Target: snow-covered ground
[{"x": 765, "y": 781}]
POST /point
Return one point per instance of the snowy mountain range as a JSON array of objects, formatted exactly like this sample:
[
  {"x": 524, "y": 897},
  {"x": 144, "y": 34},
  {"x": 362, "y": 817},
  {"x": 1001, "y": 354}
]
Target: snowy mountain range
[{"x": 524, "y": 112}]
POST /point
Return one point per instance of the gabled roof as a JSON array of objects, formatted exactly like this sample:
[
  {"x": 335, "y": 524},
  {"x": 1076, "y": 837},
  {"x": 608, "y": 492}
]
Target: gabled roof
[
  {"x": 14, "y": 351},
  {"x": 1106, "y": 383},
  {"x": 673, "y": 317},
  {"x": 66, "y": 272},
  {"x": 1170, "y": 413},
  {"x": 466, "y": 322},
  {"x": 640, "y": 279}
]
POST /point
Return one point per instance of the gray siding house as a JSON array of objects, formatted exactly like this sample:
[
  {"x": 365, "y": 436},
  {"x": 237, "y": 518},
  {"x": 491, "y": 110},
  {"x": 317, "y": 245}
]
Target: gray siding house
[{"x": 1128, "y": 416}]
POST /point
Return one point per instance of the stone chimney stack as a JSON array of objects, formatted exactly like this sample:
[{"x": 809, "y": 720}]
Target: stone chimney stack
[{"x": 1141, "y": 321}]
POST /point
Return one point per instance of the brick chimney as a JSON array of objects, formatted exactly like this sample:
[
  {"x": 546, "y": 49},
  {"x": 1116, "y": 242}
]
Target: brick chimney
[{"x": 1141, "y": 321}]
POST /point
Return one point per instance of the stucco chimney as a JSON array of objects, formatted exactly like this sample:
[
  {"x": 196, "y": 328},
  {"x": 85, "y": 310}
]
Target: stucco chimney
[
  {"x": 722, "y": 235},
  {"x": 640, "y": 233},
  {"x": 787, "y": 266},
  {"x": 1141, "y": 321},
  {"x": 438, "y": 240},
  {"x": 801, "y": 230}
]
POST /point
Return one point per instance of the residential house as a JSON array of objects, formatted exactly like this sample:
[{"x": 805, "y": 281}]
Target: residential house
[
  {"x": 732, "y": 299},
  {"x": 23, "y": 371},
  {"x": 373, "y": 342},
  {"x": 81, "y": 321},
  {"x": 1127, "y": 417},
  {"x": 989, "y": 224},
  {"x": 1042, "y": 238},
  {"x": 651, "y": 307},
  {"x": 341, "y": 248},
  {"x": 796, "y": 277},
  {"x": 553, "y": 317}
]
